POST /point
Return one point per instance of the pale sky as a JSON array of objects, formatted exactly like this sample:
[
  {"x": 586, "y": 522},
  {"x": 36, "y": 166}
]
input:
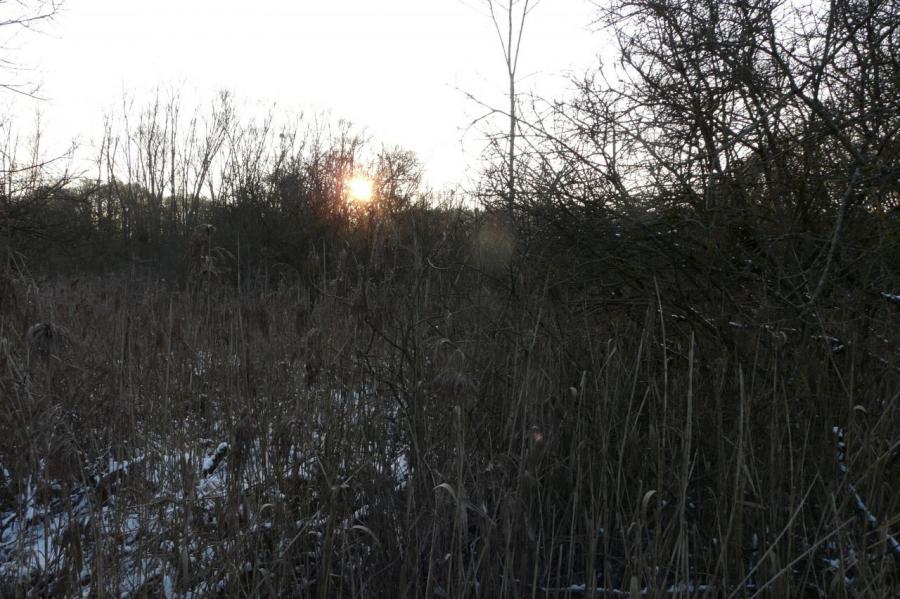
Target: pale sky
[{"x": 398, "y": 68}]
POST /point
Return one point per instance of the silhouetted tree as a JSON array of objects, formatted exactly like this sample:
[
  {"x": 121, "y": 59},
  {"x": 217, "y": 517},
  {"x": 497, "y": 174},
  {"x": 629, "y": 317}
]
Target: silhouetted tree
[
  {"x": 765, "y": 129},
  {"x": 16, "y": 16}
]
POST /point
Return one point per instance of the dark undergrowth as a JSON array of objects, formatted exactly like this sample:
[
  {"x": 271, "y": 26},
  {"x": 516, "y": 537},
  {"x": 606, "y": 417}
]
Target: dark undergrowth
[{"x": 426, "y": 417}]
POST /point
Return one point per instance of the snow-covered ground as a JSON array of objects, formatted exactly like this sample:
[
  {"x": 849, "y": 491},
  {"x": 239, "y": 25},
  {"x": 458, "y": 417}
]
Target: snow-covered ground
[{"x": 126, "y": 543}]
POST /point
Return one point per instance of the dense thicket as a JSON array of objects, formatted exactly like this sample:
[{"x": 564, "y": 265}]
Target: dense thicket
[
  {"x": 170, "y": 191},
  {"x": 757, "y": 139}
]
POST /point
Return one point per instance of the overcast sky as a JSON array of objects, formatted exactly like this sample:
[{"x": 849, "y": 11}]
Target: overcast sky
[{"x": 397, "y": 67}]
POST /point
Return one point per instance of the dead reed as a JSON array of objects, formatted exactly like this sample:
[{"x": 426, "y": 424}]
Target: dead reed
[{"x": 412, "y": 428}]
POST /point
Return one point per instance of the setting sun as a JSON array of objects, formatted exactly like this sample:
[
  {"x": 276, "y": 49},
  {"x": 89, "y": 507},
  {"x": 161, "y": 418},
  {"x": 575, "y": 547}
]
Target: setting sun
[{"x": 360, "y": 188}]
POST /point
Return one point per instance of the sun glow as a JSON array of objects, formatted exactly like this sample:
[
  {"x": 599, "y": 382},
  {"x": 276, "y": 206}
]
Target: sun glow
[{"x": 360, "y": 189}]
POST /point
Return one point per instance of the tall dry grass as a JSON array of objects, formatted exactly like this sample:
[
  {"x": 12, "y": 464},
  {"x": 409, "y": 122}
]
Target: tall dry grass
[{"x": 412, "y": 421}]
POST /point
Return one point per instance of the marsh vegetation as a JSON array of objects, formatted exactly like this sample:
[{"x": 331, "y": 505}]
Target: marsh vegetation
[{"x": 664, "y": 363}]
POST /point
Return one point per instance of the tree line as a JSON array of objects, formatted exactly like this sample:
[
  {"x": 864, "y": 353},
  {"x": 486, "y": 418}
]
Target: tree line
[{"x": 741, "y": 139}]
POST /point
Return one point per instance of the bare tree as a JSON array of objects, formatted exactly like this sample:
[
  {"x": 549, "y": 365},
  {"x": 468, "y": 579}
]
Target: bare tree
[
  {"x": 729, "y": 139},
  {"x": 509, "y": 23},
  {"x": 17, "y": 16},
  {"x": 399, "y": 178},
  {"x": 151, "y": 177}
]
